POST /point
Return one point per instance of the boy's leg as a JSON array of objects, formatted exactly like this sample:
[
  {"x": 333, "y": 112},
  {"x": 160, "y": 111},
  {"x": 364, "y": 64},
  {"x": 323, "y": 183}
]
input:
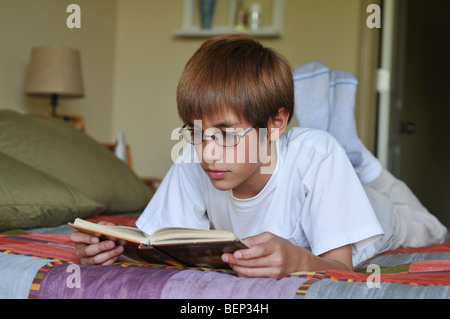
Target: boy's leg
[
  {"x": 342, "y": 125},
  {"x": 408, "y": 220},
  {"x": 407, "y": 223},
  {"x": 311, "y": 83},
  {"x": 369, "y": 168}
]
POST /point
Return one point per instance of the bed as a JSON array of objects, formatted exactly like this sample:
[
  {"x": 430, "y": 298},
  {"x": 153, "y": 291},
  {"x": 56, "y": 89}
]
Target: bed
[
  {"x": 41, "y": 264},
  {"x": 37, "y": 257}
]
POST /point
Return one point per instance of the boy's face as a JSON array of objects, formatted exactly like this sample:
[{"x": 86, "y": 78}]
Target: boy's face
[{"x": 246, "y": 167}]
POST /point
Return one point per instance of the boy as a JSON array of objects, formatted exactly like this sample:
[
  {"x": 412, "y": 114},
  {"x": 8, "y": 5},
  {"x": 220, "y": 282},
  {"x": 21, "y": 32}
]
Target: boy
[{"x": 294, "y": 197}]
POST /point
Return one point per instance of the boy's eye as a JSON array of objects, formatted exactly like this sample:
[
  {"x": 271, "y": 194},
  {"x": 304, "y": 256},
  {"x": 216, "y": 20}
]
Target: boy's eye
[
  {"x": 228, "y": 138},
  {"x": 222, "y": 138},
  {"x": 226, "y": 134}
]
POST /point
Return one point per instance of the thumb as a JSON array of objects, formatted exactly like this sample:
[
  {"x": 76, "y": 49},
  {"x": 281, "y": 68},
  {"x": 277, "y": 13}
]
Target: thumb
[{"x": 259, "y": 239}]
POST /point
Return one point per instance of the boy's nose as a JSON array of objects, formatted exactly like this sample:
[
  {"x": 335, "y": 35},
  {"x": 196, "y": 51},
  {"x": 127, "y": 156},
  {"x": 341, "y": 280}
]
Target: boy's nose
[{"x": 211, "y": 151}]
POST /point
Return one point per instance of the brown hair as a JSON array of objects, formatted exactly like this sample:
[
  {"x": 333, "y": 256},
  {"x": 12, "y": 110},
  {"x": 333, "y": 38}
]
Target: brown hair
[{"x": 235, "y": 72}]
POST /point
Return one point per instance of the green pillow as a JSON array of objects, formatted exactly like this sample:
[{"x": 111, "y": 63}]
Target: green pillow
[
  {"x": 64, "y": 152},
  {"x": 30, "y": 198}
]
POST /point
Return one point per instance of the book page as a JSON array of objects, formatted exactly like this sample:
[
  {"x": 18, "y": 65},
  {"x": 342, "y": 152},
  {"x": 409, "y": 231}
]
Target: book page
[
  {"x": 123, "y": 232},
  {"x": 172, "y": 235}
]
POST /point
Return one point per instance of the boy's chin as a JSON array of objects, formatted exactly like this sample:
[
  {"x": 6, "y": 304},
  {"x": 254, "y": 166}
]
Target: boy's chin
[{"x": 221, "y": 185}]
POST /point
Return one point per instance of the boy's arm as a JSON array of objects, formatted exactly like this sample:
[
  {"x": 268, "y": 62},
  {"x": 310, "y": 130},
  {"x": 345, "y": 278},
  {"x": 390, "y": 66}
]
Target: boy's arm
[
  {"x": 339, "y": 258},
  {"x": 273, "y": 256}
]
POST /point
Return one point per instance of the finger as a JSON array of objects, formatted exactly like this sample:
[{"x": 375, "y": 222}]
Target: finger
[
  {"x": 120, "y": 241},
  {"x": 259, "y": 261},
  {"x": 257, "y": 271},
  {"x": 92, "y": 238},
  {"x": 259, "y": 239},
  {"x": 115, "y": 239},
  {"x": 104, "y": 258},
  {"x": 95, "y": 249},
  {"x": 85, "y": 238},
  {"x": 244, "y": 255},
  {"x": 256, "y": 251}
]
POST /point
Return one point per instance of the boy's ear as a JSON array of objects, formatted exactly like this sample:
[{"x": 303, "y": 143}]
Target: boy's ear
[{"x": 277, "y": 125}]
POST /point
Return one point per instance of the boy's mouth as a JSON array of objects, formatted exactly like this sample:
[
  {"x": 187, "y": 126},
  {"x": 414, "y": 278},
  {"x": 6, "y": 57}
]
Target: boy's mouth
[{"x": 214, "y": 174}]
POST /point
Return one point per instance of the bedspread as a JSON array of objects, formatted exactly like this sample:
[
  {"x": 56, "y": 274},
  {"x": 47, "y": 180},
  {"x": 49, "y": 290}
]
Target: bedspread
[{"x": 43, "y": 265}]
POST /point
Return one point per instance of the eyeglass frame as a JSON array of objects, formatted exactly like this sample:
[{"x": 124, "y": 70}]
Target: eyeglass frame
[{"x": 213, "y": 136}]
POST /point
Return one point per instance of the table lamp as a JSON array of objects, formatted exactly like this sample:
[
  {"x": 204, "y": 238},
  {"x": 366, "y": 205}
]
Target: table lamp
[{"x": 54, "y": 72}]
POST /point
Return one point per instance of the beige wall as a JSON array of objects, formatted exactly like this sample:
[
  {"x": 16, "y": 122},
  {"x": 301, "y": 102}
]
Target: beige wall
[
  {"x": 132, "y": 60},
  {"x": 28, "y": 23}
]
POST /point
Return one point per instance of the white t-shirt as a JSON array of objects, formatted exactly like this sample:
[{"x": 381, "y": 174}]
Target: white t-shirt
[{"x": 314, "y": 198}]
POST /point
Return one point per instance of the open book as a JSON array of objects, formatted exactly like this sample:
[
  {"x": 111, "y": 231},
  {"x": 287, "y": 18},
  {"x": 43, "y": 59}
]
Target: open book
[{"x": 174, "y": 246}]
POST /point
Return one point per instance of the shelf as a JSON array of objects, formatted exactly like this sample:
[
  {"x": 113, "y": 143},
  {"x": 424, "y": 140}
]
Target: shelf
[
  {"x": 190, "y": 29},
  {"x": 216, "y": 31}
]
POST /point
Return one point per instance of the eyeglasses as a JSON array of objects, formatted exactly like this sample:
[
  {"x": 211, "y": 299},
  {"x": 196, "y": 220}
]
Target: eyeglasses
[{"x": 222, "y": 138}]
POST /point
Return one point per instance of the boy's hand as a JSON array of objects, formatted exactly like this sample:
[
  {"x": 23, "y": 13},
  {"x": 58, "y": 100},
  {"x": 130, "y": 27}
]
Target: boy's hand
[
  {"x": 91, "y": 250},
  {"x": 269, "y": 256},
  {"x": 273, "y": 256}
]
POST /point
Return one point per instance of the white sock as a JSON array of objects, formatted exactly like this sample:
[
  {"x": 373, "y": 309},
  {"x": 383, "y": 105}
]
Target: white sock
[
  {"x": 369, "y": 168},
  {"x": 343, "y": 86},
  {"x": 311, "y": 83},
  {"x": 342, "y": 124}
]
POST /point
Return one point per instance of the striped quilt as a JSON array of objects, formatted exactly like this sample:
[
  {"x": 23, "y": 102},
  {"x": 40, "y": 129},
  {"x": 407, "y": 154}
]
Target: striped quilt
[{"x": 41, "y": 266}]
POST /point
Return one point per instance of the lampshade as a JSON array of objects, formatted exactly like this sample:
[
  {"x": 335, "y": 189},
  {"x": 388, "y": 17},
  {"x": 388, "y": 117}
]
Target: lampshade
[{"x": 54, "y": 71}]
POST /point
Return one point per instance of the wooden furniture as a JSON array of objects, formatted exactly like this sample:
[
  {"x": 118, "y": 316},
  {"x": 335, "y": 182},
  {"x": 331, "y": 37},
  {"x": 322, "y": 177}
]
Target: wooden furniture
[{"x": 74, "y": 120}]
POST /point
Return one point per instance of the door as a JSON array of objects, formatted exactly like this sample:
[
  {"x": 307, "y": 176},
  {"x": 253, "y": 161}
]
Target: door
[{"x": 420, "y": 107}]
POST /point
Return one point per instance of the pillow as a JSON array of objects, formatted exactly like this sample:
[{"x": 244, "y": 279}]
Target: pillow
[
  {"x": 30, "y": 198},
  {"x": 64, "y": 152}
]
